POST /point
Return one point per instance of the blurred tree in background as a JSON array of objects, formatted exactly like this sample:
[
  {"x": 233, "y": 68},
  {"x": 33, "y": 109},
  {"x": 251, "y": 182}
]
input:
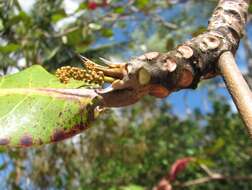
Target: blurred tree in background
[{"x": 134, "y": 147}]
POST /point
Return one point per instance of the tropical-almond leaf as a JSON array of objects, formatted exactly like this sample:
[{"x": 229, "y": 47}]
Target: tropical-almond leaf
[
  {"x": 35, "y": 108},
  {"x": 178, "y": 167}
]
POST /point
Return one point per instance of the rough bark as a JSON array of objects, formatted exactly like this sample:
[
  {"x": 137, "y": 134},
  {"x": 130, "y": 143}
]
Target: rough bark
[
  {"x": 219, "y": 45},
  {"x": 197, "y": 58},
  {"x": 159, "y": 74},
  {"x": 187, "y": 64}
]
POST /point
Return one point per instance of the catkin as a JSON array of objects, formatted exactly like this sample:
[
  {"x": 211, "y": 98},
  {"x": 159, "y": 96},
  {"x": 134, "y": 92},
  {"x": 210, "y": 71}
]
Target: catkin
[{"x": 88, "y": 75}]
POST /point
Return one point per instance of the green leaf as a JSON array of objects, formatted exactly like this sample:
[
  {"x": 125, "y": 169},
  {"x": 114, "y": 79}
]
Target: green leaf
[
  {"x": 35, "y": 108},
  {"x": 207, "y": 162},
  {"x": 199, "y": 30},
  {"x": 1, "y": 25},
  {"x": 52, "y": 53},
  {"x": 60, "y": 14},
  {"x": 250, "y": 9},
  {"x": 75, "y": 37},
  {"x": 82, "y": 6},
  {"x": 9, "y": 48},
  {"x": 133, "y": 187},
  {"x": 216, "y": 146},
  {"x": 170, "y": 43},
  {"x": 57, "y": 17},
  {"x": 119, "y": 10},
  {"x": 107, "y": 32},
  {"x": 142, "y": 3},
  {"x": 22, "y": 16},
  {"x": 3, "y": 166}
]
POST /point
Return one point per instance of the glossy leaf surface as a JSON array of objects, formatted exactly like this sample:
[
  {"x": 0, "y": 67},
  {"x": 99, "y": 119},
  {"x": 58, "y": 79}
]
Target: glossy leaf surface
[{"x": 35, "y": 108}]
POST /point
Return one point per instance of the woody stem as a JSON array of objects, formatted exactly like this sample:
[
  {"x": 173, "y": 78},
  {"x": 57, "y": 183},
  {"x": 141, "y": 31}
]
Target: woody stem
[{"x": 237, "y": 87}]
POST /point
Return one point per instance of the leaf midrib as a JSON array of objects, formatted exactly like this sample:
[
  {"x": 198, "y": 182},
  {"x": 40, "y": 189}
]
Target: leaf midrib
[{"x": 52, "y": 92}]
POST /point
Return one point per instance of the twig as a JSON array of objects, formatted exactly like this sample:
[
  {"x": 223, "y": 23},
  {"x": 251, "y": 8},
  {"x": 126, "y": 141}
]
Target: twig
[
  {"x": 207, "y": 170},
  {"x": 66, "y": 32},
  {"x": 162, "y": 21},
  {"x": 214, "y": 178},
  {"x": 157, "y": 18},
  {"x": 237, "y": 87},
  {"x": 248, "y": 51}
]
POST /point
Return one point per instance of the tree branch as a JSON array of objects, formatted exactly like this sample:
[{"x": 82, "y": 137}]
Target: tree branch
[
  {"x": 167, "y": 183},
  {"x": 215, "y": 178},
  {"x": 186, "y": 65},
  {"x": 159, "y": 74},
  {"x": 237, "y": 87}
]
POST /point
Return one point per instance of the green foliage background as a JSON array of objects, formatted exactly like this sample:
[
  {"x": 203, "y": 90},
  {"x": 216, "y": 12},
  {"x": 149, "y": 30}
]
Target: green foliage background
[{"x": 130, "y": 148}]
